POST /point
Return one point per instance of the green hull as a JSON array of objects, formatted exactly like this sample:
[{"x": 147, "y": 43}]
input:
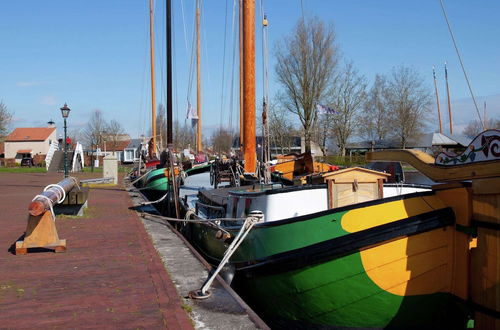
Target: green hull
[
  {"x": 156, "y": 184},
  {"x": 156, "y": 180},
  {"x": 309, "y": 270},
  {"x": 339, "y": 293},
  {"x": 198, "y": 169}
]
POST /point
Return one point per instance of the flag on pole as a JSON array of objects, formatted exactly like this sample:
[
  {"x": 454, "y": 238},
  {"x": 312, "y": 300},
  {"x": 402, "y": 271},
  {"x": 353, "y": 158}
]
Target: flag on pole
[
  {"x": 324, "y": 110},
  {"x": 192, "y": 114}
]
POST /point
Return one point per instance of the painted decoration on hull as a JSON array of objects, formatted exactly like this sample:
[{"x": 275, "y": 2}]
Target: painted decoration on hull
[
  {"x": 484, "y": 147},
  {"x": 405, "y": 280},
  {"x": 388, "y": 265},
  {"x": 381, "y": 264}
]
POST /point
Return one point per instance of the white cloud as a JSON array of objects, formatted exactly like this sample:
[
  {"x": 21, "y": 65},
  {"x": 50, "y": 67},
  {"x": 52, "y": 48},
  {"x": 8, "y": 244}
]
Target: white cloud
[
  {"x": 48, "y": 100},
  {"x": 29, "y": 83}
]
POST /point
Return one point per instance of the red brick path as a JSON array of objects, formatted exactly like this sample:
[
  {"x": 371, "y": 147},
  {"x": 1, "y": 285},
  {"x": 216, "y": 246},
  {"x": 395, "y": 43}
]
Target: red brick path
[{"x": 110, "y": 276}]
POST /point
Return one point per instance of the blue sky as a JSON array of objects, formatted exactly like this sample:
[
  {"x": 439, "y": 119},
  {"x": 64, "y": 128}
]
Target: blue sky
[{"x": 94, "y": 54}]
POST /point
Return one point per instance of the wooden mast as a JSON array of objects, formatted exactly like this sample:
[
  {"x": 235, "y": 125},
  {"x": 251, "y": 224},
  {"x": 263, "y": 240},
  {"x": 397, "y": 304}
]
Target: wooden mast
[
  {"x": 170, "y": 140},
  {"x": 152, "y": 59},
  {"x": 437, "y": 100},
  {"x": 250, "y": 154},
  {"x": 198, "y": 78},
  {"x": 449, "y": 99},
  {"x": 241, "y": 71}
]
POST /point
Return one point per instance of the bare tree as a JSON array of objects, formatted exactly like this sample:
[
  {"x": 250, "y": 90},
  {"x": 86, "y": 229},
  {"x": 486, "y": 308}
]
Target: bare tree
[
  {"x": 113, "y": 131},
  {"x": 305, "y": 63},
  {"x": 222, "y": 140},
  {"x": 75, "y": 134},
  {"x": 281, "y": 128},
  {"x": 408, "y": 101},
  {"x": 374, "y": 119},
  {"x": 474, "y": 127},
  {"x": 5, "y": 119},
  {"x": 95, "y": 129},
  {"x": 184, "y": 136},
  {"x": 347, "y": 96},
  {"x": 161, "y": 125}
]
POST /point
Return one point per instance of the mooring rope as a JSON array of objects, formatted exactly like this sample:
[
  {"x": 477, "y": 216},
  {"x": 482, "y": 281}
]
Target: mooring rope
[
  {"x": 196, "y": 220},
  {"x": 137, "y": 179},
  {"x": 245, "y": 229},
  {"x": 481, "y": 121},
  {"x": 76, "y": 182},
  {"x": 190, "y": 212},
  {"x": 156, "y": 201}
]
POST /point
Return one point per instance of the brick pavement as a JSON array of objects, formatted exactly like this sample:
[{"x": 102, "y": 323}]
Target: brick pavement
[{"x": 110, "y": 276}]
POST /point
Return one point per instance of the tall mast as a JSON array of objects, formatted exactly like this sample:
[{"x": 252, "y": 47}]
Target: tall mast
[
  {"x": 250, "y": 154},
  {"x": 198, "y": 77},
  {"x": 152, "y": 58},
  {"x": 241, "y": 71},
  {"x": 265, "y": 101},
  {"x": 170, "y": 140},
  {"x": 437, "y": 101},
  {"x": 449, "y": 100}
]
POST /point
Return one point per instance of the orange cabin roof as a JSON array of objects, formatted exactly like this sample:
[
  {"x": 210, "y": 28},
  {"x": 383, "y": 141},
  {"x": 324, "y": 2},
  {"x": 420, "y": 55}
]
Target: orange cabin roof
[{"x": 30, "y": 134}]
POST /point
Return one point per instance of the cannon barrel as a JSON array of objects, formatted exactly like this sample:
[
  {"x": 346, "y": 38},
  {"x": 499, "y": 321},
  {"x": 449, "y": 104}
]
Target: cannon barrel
[{"x": 53, "y": 194}]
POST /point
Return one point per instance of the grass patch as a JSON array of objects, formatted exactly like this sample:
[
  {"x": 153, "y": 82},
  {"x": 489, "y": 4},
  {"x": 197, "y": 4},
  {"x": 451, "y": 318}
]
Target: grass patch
[
  {"x": 92, "y": 170},
  {"x": 88, "y": 212},
  {"x": 345, "y": 161},
  {"x": 23, "y": 170},
  {"x": 187, "y": 308}
]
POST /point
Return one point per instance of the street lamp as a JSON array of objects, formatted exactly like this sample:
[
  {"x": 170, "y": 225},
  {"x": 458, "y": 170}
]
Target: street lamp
[{"x": 65, "y": 113}]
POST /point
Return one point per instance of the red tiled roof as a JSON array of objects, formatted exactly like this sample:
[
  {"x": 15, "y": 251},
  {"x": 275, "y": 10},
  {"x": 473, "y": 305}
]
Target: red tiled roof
[
  {"x": 24, "y": 151},
  {"x": 30, "y": 134},
  {"x": 115, "y": 146}
]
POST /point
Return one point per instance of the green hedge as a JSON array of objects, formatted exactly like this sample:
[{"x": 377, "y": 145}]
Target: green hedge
[{"x": 344, "y": 161}]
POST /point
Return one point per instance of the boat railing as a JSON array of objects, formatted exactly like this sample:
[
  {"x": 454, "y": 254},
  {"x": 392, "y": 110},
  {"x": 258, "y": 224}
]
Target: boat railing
[
  {"x": 212, "y": 211},
  {"x": 274, "y": 185},
  {"x": 408, "y": 185}
]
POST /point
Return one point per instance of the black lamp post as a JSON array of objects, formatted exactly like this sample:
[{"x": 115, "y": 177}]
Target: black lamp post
[{"x": 65, "y": 113}]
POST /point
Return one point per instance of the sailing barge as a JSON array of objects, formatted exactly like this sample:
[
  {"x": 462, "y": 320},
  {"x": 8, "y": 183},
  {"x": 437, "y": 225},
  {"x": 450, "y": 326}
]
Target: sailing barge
[
  {"x": 351, "y": 251},
  {"x": 360, "y": 254}
]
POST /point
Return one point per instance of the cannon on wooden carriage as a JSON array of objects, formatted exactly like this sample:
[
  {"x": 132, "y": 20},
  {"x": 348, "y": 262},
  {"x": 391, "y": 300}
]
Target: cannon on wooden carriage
[{"x": 41, "y": 231}]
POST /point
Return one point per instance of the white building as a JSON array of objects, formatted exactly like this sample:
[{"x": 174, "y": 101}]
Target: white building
[{"x": 29, "y": 142}]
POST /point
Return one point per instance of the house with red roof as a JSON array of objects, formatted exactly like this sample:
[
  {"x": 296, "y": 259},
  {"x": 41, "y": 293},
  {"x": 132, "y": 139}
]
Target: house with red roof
[
  {"x": 120, "y": 145},
  {"x": 29, "y": 142}
]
